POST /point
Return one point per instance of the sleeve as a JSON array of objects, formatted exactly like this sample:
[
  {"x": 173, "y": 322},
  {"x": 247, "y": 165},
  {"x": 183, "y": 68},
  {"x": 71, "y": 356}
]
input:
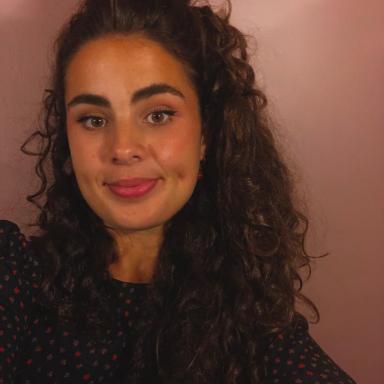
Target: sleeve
[
  {"x": 17, "y": 270},
  {"x": 294, "y": 357}
]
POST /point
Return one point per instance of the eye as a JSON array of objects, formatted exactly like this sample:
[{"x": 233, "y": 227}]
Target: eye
[
  {"x": 92, "y": 122},
  {"x": 160, "y": 117}
]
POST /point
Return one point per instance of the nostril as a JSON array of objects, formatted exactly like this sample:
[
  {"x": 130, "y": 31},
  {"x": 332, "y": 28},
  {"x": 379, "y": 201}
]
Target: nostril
[{"x": 125, "y": 159}]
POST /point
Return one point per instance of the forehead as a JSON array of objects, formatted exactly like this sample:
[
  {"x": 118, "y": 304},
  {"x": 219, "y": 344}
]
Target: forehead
[{"x": 124, "y": 62}]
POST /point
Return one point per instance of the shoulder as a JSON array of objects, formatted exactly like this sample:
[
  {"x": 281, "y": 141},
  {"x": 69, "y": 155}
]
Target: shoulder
[
  {"x": 294, "y": 356},
  {"x": 19, "y": 268},
  {"x": 12, "y": 243}
]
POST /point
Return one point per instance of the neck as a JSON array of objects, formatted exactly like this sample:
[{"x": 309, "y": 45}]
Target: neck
[{"x": 137, "y": 255}]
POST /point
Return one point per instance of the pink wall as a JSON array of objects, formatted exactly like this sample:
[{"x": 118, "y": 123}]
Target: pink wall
[{"x": 321, "y": 64}]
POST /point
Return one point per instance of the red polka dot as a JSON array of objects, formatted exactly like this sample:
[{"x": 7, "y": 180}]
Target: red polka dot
[{"x": 291, "y": 357}]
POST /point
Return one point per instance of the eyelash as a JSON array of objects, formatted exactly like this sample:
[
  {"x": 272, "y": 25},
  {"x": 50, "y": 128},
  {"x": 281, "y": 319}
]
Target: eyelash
[
  {"x": 168, "y": 112},
  {"x": 84, "y": 119}
]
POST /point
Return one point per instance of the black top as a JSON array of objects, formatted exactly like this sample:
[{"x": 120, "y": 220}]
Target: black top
[{"x": 34, "y": 350}]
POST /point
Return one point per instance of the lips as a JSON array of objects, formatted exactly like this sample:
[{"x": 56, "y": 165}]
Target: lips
[
  {"x": 134, "y": 187},
  {"x": 131, "y": 182}
]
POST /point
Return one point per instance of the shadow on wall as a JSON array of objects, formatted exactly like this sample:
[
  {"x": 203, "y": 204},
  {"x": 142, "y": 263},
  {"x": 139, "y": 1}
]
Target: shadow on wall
[{"x": 27, "y": 32}]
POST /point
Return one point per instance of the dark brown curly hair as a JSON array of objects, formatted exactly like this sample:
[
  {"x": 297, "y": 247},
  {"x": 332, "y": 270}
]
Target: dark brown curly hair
[{"x": 227, "y": 274}]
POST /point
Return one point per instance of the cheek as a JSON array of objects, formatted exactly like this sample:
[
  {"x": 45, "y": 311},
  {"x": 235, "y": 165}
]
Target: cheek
[
  {"x": 83, "y": 154},
  {"x": 179, "y": 155}
]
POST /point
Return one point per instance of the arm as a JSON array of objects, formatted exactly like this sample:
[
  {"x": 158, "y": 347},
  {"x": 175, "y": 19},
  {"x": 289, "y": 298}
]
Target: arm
[
  {"x": 294, "y": 356},
  {"x": 15, "y": 299}
]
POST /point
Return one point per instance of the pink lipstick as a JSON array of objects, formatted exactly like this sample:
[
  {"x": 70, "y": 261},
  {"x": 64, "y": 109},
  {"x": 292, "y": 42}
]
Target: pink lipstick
[{"x": 131, "y": 188}]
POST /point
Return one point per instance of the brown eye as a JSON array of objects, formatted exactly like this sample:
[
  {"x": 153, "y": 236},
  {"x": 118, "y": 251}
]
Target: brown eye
[
  {"x": 92, "y": 122},
  {"x": 160, "y": 117}
]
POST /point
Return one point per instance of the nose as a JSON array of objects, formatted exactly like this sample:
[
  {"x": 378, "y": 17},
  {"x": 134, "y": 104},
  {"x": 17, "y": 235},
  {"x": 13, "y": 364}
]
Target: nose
[{"x": 126, "y": 146}]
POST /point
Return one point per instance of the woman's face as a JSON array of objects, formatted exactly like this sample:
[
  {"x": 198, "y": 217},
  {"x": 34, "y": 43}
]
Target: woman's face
[{"x": 134, "y": 131}]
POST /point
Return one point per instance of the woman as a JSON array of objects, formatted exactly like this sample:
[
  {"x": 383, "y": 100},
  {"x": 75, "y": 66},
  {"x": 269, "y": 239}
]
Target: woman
[{"x": 169, "y": 246}]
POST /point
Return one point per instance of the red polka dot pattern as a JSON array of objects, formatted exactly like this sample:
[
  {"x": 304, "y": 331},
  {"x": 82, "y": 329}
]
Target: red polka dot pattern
[
  {"x": 35, "y": 351},
  {"x": 294, "y": 357}
]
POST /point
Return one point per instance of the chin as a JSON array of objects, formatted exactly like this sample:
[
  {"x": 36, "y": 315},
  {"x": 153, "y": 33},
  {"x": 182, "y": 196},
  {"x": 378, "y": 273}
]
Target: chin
[{"x": 129, "y": 225}]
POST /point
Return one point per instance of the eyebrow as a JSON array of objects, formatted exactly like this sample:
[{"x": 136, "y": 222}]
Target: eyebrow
[
  {"x": 141, "y": 94},
  {"x": 88, "y": 98},
  {"x": 155, "y": 89}
]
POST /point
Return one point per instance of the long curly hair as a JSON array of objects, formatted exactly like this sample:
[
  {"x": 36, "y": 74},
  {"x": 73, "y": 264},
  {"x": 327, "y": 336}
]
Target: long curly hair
[{"x": 227, "y": 274}]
